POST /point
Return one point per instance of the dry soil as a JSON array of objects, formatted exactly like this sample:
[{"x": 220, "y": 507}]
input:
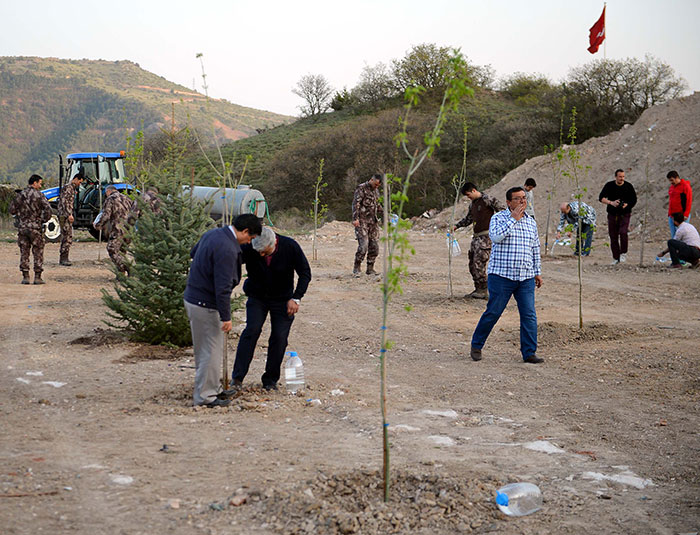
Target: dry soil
[{"x": 99, "y": 435}]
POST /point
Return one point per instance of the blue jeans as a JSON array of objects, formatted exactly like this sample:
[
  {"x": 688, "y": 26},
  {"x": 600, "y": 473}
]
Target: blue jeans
[
  {"x": 500, "y": 291},
  {"x": 256, "y": 314},
  {"x": 586, "y": 239},
  {"x": 673, "y": 227}
]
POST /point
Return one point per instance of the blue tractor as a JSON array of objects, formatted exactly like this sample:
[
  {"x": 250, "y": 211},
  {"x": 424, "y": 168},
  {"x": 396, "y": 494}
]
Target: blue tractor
[{"x": 100, "y": 169}]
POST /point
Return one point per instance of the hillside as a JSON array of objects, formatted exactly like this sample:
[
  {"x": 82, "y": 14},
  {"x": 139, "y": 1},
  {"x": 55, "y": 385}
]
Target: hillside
[
  {"x": 50, "y": 106},
  {"x": 356, "y": 143},
  {"x": 672, "y": 144}
]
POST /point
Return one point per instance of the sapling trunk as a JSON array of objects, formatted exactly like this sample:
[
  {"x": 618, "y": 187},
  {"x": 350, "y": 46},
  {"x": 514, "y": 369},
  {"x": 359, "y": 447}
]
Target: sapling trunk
[
  {"x": 225, "y": 362},
  {"x": 382, "y": 355},
  {"x": 647, "y": 187},
  {"x": 317, "y": 192},
  {"x": 457, "y": 182}
]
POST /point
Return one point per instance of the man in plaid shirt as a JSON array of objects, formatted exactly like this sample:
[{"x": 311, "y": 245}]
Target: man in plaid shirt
[{"x": 514, "y": 270}]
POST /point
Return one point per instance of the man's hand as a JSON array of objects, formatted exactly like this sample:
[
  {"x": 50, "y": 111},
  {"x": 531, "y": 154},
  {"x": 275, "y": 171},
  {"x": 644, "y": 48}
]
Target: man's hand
[
  {"x": 538, "y": 281},
  {"x": 558, "y": 235},
  {"x": 292, "y": 307},
  {"x": 356, "y": 223},
  {"x": 518, "y": 212},
  {"x": 71, "y": 219},
  {"x": 226, "y": 326},
  {"x": 624, "y": 205}
]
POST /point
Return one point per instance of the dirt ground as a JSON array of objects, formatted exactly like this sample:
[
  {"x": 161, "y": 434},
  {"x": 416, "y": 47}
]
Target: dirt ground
[{"x": 99, "y": 435}]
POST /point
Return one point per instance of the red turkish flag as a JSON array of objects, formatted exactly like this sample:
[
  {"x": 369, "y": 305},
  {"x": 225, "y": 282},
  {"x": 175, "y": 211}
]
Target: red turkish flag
[{"x": 597, "y": 35}]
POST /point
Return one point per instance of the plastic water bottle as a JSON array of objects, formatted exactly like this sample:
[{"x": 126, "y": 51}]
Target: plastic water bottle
[
  {"x": 456, "y": 249},
  {"x": 393, "y": 220},
  {"x": 293, "y": 372},
  {"x": 519, "y": 499}
]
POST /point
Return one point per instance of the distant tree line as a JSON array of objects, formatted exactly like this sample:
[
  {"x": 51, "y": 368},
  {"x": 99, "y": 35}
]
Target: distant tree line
[{"x": 509, "y": 119}]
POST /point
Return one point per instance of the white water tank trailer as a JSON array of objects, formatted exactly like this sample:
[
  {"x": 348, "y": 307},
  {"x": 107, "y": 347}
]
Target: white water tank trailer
[{"x": 235, "y": 201}]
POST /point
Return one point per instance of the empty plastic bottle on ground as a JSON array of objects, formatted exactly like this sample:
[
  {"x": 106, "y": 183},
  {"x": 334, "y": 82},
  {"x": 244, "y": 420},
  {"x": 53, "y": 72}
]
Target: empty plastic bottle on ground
[
  {"x": 293, "y": 372},
  {"x": 519, "y": 499},
  {"x": 456, "y": 249}
]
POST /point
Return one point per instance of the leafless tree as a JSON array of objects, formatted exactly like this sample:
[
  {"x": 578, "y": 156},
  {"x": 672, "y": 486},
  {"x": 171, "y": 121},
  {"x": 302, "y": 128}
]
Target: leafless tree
[{"x": 316, "y": 92}]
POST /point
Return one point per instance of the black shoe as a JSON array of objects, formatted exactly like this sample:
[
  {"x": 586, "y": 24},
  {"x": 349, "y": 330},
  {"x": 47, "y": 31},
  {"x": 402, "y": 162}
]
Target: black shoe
[
  {"x": 270, "y": 387},
  {"x": 236, "y": 387},
  {"x": 533, "y": 359},
  {"x": 218, "y": 403},
  {"x": 476, "y": 353}
]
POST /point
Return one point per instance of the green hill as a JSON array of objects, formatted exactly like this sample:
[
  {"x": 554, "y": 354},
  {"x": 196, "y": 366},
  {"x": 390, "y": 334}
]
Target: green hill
[
  {"x": 50, "y": 106},
  {"x": 357, "y": 143}
]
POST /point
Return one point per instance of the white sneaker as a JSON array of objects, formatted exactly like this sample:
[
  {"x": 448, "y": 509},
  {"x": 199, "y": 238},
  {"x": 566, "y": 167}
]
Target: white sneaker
[
  {"x": 614, "y": 262},
  {"x": 623, "y": 257}
]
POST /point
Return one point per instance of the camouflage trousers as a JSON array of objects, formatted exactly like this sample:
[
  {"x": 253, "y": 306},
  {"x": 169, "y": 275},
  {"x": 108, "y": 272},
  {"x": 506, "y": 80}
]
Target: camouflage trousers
[
  {"x": 116, "y": 247},
  {"x": 31, "y": 240},
  {"x": 367, "y": 243},
  {"x": 66, "y": 237},
  {"x": 479, "y": 254}
]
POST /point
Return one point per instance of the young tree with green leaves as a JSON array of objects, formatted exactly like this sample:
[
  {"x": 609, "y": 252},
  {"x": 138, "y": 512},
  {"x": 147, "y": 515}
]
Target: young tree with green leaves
[
  {"x": 395, "y": 237},
  {"x": 319, "y": 209},
  {"x": 574, "y": 173}
]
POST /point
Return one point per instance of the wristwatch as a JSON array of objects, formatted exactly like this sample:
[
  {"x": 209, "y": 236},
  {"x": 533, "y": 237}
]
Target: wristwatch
[{"x": 297, "y": 301}]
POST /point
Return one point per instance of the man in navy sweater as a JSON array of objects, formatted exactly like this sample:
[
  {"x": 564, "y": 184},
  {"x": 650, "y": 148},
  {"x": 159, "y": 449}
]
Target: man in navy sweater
[
  {"x": 215, "y": 271},
  {"x": 271, "y": 262}
]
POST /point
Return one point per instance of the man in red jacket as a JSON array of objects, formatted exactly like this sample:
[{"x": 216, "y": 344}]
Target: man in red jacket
[{"x": 680, "y": 199}]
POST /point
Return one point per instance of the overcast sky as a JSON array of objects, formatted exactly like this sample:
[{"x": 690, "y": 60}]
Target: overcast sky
[{"x": 256, "y": 50}]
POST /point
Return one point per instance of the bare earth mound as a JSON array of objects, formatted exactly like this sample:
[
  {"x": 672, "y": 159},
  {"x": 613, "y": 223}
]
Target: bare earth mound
[{"x": 672, "y": 144}]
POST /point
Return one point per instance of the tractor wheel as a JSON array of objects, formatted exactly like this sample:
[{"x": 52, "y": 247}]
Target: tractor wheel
[{"x": 52, "y": 229}]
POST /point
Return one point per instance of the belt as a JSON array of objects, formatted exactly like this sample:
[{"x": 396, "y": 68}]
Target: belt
[{"x": 482, "y": 233}]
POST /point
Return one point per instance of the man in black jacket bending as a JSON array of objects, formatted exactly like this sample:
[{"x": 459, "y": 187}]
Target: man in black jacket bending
[
  {"x": 271, "y": 261},
  {"x": 214, "y": 272}
]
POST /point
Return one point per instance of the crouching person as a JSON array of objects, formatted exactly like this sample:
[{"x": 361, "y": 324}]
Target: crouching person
[
  {"x": 214, "y": 272},
  {"x": 271, "y": 261}
]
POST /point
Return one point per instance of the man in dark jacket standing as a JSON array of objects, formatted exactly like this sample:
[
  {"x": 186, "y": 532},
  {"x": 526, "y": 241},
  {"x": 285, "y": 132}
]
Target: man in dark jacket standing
[
  {"x": 271, "y": 262},
  {"x": 32, "y": 211},
  {"x": 620, "y": 198},
  {"x": 215, "y": 271}
]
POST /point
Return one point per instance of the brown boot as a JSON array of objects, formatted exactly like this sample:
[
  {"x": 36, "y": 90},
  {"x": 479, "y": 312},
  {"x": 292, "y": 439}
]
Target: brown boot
[
  {"x": 480, "y": 293},
  {"x": 25, "y": 278},
  {"x": 37, "y": 278},
  {"x": 64, "y": 260},
  {"x": 357, "y": 269},
  {"x": 370, "y": 269}
]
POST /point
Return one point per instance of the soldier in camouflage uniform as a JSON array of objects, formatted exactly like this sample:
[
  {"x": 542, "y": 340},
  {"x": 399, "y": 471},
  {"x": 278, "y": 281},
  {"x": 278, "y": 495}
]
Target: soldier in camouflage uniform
[
  {"x": 365, "y": 204},
  {"x": 32, "y": 211},
  {"x": 149, "y": 199},
  {"x": 479, "y": 213},
  {"x": 113, "y": 222},
  {"x": 66, "y": 203}
]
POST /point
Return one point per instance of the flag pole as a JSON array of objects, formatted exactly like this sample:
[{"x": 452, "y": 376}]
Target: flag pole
[{"x": 605, "y": 41}]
